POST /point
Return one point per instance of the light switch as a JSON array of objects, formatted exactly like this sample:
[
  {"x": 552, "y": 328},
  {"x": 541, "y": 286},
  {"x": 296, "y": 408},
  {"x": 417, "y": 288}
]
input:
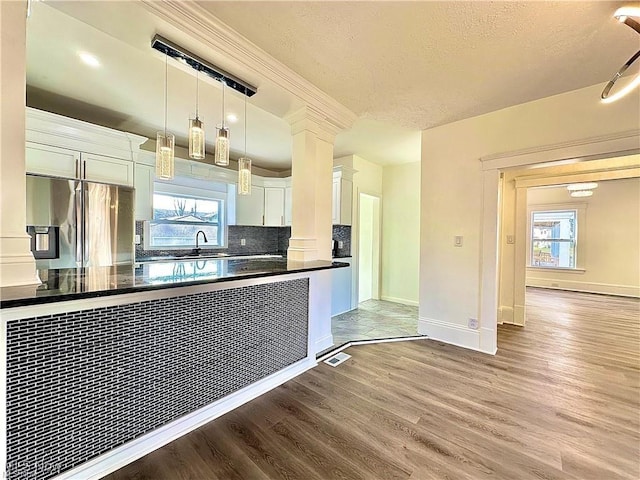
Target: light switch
[
  {"x": 136, "y": 239},
  {"x": 457, "y": 241},
  {"x": 243, "y": 242}
]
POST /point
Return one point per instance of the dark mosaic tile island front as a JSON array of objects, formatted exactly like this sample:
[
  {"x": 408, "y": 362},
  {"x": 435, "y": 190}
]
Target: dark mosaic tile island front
[{"x": 82, "y": 383}]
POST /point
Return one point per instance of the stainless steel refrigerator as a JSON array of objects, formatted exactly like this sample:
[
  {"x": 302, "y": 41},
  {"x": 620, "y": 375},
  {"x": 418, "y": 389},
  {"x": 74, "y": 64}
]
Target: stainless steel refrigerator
[{"x": 78, "y": 223}]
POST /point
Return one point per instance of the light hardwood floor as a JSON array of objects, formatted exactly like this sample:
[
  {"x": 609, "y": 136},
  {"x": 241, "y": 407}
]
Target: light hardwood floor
[{"x": 560, "y": 400}]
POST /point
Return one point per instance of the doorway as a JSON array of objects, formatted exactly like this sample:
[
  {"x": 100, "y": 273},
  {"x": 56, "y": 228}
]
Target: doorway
[{"x": 368, "y": 248}]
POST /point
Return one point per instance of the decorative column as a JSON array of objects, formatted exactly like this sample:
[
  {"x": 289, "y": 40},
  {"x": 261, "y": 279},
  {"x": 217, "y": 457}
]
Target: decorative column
[
  {"x": 311, "y": 186},
  {"x": 17, "y": 265}
]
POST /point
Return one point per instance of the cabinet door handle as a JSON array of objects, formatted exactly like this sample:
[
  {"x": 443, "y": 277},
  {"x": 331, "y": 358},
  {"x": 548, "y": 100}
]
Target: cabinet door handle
[
  {"x": 281, "y": 219},
  {"x": 77, "y": 168},
  {"x": 262, "y": 219},
  {"x": 84, "y": 169}
]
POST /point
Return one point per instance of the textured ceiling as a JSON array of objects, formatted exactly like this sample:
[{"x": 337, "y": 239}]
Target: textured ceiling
[
  {"x": 401, "y": 66},
  {"x": 423, "y": 64}
]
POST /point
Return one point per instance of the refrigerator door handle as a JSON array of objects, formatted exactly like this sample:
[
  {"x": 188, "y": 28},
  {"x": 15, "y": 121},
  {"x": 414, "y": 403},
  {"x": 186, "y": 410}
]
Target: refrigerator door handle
[{"x": 79, "y": 231}]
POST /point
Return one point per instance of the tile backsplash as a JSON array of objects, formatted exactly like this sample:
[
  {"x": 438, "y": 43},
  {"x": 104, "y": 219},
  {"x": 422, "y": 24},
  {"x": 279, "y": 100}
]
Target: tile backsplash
[{"x": 272, "y": 240}]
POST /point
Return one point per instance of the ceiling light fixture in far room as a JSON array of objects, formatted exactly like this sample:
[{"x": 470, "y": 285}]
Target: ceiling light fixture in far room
[
  {"x": 89, "y": 59},
  {"x": 165, "y": 141},
  {"x": 582, "y": 193},
  {"x": 629, "y": 16},
  {"x": 196, "y": 130},
  {"x": 582, "y": 186},
  {"x": 232, "y": 118},
  {"x": 221, "y": 153},
  {"x": 244, "y": 163}
]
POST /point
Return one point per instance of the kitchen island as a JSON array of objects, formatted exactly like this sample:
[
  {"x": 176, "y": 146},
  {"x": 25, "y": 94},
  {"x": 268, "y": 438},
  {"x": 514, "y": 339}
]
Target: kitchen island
[{"x": 103, "y": 365}]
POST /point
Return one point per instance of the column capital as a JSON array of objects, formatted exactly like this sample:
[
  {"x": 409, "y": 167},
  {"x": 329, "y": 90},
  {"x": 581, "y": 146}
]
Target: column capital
[{"x": 312, "y": 120}]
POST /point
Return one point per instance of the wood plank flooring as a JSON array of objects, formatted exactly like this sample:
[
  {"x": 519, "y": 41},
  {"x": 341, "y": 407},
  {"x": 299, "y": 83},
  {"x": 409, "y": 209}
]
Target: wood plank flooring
[{"x": 560, "y": 400}]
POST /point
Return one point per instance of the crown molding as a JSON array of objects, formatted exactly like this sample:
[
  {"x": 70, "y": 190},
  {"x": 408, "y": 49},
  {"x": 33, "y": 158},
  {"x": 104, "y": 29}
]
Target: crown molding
[
  {"x": 627, "y": 141},
  {"x": 65, "y": 132},
  {"x": 189, "y": 17}
]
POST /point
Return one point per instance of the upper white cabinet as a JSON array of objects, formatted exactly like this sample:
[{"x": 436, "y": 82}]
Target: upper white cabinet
[
  {"x": 61, "y": 162},
  {"x": 99, "y": 168},
  {"x": 250, "y": 208},
  {"x": 274, "y": 206},
  {"x": 65, "y": 147},
  {"x": 268, "y": 205},
  {"x": 144, "y": 176},
  {"x": 54, "y": 161},
  {"x": 342, "y": 196}
]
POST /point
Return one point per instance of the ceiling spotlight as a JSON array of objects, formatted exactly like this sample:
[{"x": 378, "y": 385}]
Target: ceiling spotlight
[
  {"x": 582, "y": 186},
  {"x": 89, "y": 59},
  {"x": 582, "y": 193}
]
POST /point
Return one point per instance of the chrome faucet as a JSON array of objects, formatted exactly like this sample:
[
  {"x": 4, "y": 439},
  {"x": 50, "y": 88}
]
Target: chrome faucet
[{"x": 204, "y": 236}]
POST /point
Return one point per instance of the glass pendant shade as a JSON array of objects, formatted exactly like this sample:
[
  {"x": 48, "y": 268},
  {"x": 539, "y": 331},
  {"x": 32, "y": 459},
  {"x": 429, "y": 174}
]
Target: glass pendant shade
[
  {"x": 196, "y": 139},
  {"x": 582, "y": 193},
  {"x": 164, "y": 155},
  {"x": 221, "y": 154},
  {"x": 244, "y": 176}
]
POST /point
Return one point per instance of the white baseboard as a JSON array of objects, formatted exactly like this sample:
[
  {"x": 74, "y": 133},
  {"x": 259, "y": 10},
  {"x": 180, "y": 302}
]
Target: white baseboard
[
  {"x": 456, "y": 335},
  {"x": 121, "y": 456},
  {"x": 323, "y": 344},
  {"x": 519, "y": 312},
  {"x": 403, "y": 301},
  {"x": 587, "y": 287},
  {"x": 505, "y": 314}
]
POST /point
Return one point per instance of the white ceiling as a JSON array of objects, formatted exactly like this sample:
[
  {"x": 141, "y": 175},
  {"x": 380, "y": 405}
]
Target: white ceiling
[{"x": 400, "y": 66}]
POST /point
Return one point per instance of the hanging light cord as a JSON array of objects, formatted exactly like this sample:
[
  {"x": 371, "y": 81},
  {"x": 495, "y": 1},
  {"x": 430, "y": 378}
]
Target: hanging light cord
[
  {"x": 166, "y": 73},
  {"x": 245, "y": 123},
  {"x": 197, "y": 92},
  {"x": 223, "y": 104}
]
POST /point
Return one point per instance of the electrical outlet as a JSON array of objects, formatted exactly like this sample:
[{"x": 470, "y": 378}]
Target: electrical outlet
[
  {"x": 340, "y": 244},
  {"x": 457, "y": 241},
  {"x": 243, "y": 241},
  {"x": 473, "y": 323},
  {"x": 511, "y": 239},
  {"x": 136, "y": 240}
]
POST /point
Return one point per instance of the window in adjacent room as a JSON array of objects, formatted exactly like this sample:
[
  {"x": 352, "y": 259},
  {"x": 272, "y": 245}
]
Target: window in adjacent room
[{"x": 554, "y": 238}]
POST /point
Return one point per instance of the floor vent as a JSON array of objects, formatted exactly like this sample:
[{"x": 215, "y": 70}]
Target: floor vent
[{"x": 337, "y": 359}]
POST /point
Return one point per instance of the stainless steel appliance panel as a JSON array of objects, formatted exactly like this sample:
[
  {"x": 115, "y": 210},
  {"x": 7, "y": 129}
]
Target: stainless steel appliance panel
[
  {"x": 107, "y": 237},
  {"x": 95, "y": 220},
  {"x": 52, "y": 202}
]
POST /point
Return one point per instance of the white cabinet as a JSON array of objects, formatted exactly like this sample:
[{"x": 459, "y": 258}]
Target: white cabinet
[
  {"x": 54, "y": 161},
  {"x": 100, "y": 168},
  {"x": 341, "y": 288},
  {"x": 145, "y": 174},
  {"x": 250, "y": 208},
  {"x": 62, "y": 162},
  {"x": 342, "y": 198},
  {"x": 273, "y": 206},
  {"x": 288, "y": 200}
]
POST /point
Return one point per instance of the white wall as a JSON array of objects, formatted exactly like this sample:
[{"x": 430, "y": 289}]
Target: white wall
[
  {"x": 401, "y": 233},
  {"x": 454, "y": 197},
  {"x": 608, "y": 240}
]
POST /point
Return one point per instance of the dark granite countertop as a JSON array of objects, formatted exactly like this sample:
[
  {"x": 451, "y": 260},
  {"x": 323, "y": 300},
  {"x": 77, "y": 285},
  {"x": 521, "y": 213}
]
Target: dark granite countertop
[{"x": 91, "y": 282}]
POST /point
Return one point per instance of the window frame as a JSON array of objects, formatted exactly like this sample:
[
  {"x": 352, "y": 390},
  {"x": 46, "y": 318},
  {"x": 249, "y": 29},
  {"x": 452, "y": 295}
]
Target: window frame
[
  {"x": 197, "y": 189},
  {"x": 579, "y": 249}
]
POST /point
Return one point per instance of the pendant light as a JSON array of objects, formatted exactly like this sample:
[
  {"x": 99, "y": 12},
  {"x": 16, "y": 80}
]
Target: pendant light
[
  {"x": 164, "y": 140},
  {"x": 196, "y": 130},
  {"x": 221, "y": 154},
  {"x": 244, "y": 163}
]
